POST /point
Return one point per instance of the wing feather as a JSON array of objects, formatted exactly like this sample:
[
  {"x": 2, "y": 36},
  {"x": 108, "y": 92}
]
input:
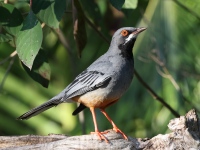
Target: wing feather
[{"x": 85, "y": 82}]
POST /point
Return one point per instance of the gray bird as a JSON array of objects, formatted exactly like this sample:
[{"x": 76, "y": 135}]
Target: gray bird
[{"x": 102, "y": 83}]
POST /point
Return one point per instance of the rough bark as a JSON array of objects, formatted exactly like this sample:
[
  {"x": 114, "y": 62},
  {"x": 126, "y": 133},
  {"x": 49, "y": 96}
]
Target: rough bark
[{"x": 185, "y": 135}]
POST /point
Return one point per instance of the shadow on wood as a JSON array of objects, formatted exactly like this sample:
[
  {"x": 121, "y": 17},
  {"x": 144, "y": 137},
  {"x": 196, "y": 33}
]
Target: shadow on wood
[{"x": 185, "y": 135}]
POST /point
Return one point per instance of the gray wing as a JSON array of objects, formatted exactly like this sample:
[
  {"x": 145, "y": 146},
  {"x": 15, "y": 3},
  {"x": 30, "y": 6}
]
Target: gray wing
[
  {"x": 85, "y": 82},
  {"x": 88, "y": 80}
]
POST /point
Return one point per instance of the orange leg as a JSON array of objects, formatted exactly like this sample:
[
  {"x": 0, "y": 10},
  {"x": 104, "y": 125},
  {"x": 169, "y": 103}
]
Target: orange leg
[
  {"x": 115, "y": 128},
  {"x": 100, "y": 134}
]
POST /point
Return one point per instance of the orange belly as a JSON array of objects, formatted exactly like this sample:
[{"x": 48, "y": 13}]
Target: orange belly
[{"x": 94, "y": 99}]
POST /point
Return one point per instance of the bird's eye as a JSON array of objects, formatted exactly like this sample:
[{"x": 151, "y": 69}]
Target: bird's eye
[{"x": 124, "y": 32}]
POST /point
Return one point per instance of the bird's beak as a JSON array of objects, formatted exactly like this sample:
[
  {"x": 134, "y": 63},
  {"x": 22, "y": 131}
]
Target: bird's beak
[{"x": 138, "y": 30}]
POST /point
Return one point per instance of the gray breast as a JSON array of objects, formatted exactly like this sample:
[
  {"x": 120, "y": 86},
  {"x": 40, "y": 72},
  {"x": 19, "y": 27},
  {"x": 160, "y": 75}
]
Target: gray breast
[{"x": 122, "y": 76}]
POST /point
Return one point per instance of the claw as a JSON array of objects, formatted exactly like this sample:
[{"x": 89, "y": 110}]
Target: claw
[
  {"x": 100, "y": 135},
  {"x": 117, "y": 130}
]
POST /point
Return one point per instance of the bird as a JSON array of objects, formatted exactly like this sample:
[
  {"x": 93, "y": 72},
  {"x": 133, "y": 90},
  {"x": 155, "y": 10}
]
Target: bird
[{"x": 102, "y": 83}]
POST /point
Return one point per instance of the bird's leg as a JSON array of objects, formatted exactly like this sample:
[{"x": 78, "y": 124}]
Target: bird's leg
[
  {"x": 115, "y": 128},
  {"x": 100, "y": 134}
]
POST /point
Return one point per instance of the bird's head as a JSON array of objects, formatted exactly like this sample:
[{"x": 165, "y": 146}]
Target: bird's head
[{"x": 124, "y": 39}]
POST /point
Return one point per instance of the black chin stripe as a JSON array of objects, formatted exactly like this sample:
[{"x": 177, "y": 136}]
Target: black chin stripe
[{"x": 126, "y": 51}]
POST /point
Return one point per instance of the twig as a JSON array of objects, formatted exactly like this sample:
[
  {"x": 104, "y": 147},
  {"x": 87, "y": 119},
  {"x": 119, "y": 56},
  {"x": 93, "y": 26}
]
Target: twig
[
  {"x": 7, "y": 72},
  {"x": 5, "y": 60},
  {"x": 63, "y": 40},
  {"x": 95, "y": 29},
  {"x": 31, "y": 4},
  {"x": 65, "y": 43},
  {"x": 166, "y": 73},
  {"x": 42, "y": 25},
  {"x": 9, "y": 57},
  {"x": 13, "y": 54},
  {"x": 187, "y": 9},
  {"x": 155, "y": 96}
]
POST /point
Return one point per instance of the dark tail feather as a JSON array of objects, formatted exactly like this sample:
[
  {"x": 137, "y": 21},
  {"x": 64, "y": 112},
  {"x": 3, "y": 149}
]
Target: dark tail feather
[
  {"x": 79, "y": 109},
  {"x": 39, "y": 109}
]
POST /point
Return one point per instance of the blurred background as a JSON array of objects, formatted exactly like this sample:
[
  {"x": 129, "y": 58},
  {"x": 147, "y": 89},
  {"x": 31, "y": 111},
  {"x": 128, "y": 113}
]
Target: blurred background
[{"x": 167, "y": 57}]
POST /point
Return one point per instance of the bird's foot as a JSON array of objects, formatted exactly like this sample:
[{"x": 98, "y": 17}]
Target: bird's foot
[
  {"x": 100, "y": 135},
  {"x": 117, "y": 130}
]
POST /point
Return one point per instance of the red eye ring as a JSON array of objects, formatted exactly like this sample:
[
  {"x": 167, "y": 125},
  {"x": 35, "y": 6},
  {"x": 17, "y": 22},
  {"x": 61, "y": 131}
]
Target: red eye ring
[{"x": 124, "y": 32}]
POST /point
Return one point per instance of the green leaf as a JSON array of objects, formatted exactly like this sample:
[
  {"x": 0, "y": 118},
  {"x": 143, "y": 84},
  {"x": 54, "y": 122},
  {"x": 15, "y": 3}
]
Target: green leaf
[
  {"x": 11, "y": 18},
  {"x": 49, "y": 11},
  {"x": 130, "y": 4},
  {"x": 5, "y": 38},
  {"x": 79, "y": 27},
  {"x": 41, "y": 70},
  {"x": 29, "y": 40},
  {"x": 117, "y": 3}
]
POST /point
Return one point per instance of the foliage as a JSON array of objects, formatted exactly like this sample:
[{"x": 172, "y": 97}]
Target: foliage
[{"x": 47, "y": 36}]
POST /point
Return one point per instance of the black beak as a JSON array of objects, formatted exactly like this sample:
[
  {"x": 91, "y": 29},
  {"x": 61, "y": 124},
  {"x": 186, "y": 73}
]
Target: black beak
[{"x": 138, "y": 30}]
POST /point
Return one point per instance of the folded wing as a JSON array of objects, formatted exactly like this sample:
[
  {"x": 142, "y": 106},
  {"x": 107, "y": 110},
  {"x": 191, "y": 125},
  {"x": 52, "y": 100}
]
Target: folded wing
[{"x": 83, "y": 83}]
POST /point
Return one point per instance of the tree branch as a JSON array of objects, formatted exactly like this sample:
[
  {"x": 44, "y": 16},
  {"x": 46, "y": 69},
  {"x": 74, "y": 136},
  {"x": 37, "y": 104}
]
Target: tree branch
[
  {"x": 12, "y": 57},
  {"x": 95, "y": 29},
  {"x": 155, "y": 96},
  {"x": 184, "y": 135}
]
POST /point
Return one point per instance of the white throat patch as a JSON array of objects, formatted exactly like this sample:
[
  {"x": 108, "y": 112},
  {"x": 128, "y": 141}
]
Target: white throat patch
[{"x": 128, "y": 38}]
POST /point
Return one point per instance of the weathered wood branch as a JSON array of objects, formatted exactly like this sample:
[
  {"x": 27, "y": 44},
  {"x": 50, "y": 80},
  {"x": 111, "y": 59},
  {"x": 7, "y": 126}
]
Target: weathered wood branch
[{"x": 185, "y": 135}]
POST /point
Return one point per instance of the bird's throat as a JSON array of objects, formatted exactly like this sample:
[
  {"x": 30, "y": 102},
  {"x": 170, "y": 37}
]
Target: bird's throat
[{"x": 126, "y": 50}]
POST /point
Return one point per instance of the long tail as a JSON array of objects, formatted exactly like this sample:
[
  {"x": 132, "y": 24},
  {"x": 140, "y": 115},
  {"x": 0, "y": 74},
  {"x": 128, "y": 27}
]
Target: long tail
[{"x": 35, "y": 111}]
